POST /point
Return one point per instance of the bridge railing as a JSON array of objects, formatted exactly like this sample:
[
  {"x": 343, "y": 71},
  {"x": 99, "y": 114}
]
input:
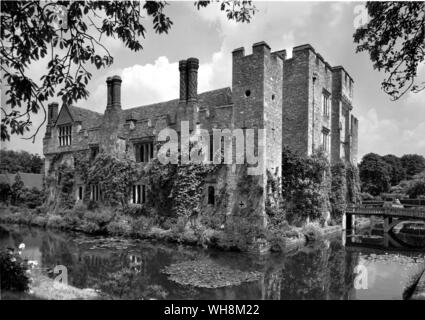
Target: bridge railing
[{"x": 396, "y": 212}]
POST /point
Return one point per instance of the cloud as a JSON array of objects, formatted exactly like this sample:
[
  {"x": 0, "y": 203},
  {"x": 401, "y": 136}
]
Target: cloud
[{"x": 385, "y": 136}]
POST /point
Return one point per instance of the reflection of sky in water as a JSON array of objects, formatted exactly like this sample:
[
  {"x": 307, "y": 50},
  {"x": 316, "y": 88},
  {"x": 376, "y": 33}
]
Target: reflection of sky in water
[
  {"x": 388, "y": 274},
  {"x": 323, "y": 271}
]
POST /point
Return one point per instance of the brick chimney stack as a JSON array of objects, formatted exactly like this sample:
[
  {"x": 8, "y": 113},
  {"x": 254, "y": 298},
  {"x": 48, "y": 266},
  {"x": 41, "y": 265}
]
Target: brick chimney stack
[
  {"x": 183, "y": 80},
  {"x": 115, "y": 92},
  {"x": 192, "y": 74},
  {"x": 52, "y": 115},
  {"x": 109, "y": 92}
]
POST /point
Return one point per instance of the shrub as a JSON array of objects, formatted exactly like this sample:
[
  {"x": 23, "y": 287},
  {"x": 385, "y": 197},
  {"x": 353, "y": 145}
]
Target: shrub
[
  {"x": 141, "y": 225},
  {"x": 40, "y": 221},
  {"x": 79, "y": 210},
  {"x": 55, "y": 221},
  {"x": 101, "y": 216},
  {"x": 213, "y": 221},
  {"x": 168, "y": 222},
  {"x": 180, "y": 226},
  {"x": 31, "y": 198},
  {"x": 90, "y": 227},
  {"x": 40, "y": 210},
  {"x": 72, "y": 221},
  {"x": 135, "y": 210},
  {"x": 240, "y": 232},
  {"x": 312, "y": 231},
  {"x": 119, "y": 226},
  {"x": 13, "y": 271}
]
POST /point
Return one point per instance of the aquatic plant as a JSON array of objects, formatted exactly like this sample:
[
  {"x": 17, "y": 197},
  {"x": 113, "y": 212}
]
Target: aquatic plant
[{"x": 208, "y": 274}]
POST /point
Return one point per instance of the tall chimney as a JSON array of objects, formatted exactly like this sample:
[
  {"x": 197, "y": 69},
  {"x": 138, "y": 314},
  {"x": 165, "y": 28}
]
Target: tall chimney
[
  {"x": 52, "y": 115},
  {"x": 109, "y": 91},
  {"x": 192, "y": 74},
  {"x": 183, "y": 80},
  {"x": 116, "y": 92},
  {"x": 52, "y": 112}
]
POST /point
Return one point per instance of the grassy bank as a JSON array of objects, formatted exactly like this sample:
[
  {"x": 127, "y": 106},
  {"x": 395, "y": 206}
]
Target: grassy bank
[{"x": 104, "y": 221}]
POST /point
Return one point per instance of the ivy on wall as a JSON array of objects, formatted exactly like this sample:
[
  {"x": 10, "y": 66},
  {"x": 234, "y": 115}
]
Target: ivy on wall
[
  {"x": 177, "y": 189},
  {"x": 306, "y": 184},
  {"x": 353, "y": 183},
  {"x": 115, "y": 176},
  {"x": 338, "y": 191}
]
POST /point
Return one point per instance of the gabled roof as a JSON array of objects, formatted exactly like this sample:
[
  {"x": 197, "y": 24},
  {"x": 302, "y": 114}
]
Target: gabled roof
[
  {"x": 30, "y": 180},
  {"x": 88, "y": 118}
]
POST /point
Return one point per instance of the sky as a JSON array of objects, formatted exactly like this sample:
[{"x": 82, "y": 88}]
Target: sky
[{"x": 151, "y": 75}]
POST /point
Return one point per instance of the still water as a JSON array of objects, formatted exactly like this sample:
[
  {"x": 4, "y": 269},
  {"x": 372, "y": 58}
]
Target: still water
[{"x": 325, "y": 270}]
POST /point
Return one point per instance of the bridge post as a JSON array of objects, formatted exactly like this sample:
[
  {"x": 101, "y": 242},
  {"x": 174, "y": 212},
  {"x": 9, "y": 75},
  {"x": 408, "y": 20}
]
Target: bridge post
[
  {"x": 387, "y": 222},
  {"x": 348, "y": 222}
]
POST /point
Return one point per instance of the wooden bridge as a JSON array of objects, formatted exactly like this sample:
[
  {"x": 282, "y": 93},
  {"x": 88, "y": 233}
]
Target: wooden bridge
[{"x": 391, "y": 217}]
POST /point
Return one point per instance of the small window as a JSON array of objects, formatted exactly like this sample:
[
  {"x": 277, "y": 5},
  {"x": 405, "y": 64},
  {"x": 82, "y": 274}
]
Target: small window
[
  {"x": 211, "y": 195},
  {"x": 211, "y": 148},
  {"x": 65, "y": 135},
  {"x": 139, "y": 194},
  {"x": 325, "y": 140},
  {"x": 273, "y": 96},
  {"x": 80, "y": 193},
  {"x": 144, "y": 152},
  {"x": 247, "y": 93},
  {"x": 94, "y": 192},
  {"x": 325, "y": 104}
]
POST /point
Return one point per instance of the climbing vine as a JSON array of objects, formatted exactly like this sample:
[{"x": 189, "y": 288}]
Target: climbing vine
[
  {"x": 66, "y": 179},
  {"x": 353, "y": 183},
  {"x": 306, "y": 185},
  {"x": 114, "y": 176},
  {"x": 338, "y": 191},
  {"x": 177, "y": 189}
]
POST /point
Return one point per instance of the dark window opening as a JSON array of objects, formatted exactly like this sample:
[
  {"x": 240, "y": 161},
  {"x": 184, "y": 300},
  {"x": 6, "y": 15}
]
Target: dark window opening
[
  {"x": 211, "y": 195},
  {"x": 273, "y": 96},
  {"x": 144, "y": 151},
  {"x": 80, "y": 193},
  {"x": 211, "y": 148},
  {"x": 94, "y": 151},
  {"x": 247, "y": 93}
]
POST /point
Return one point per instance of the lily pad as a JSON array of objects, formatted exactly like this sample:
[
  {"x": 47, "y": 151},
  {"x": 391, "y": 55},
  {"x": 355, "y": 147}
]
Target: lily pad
[{"x": 208, "y": 274}]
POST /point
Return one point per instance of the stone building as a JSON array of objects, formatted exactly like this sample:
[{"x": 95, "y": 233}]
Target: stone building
[
  {"x": 302, "y": 102},
  {"x": 317, "y": 106}
]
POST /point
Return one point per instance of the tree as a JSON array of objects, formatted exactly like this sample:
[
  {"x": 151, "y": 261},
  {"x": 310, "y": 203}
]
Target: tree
[
  {"x": 394, "y": 37},
  {"x": 20, "y": 161},
  {"x": 16, "y": 188},
  {"x": 4, "y": 191},
  {"x": 374, "y": 174},
  {"x": 413, "y": 164},
  {"x": 416, "y": 189},
  {"x": 397, "y": 171},
  {"x": 70, "y": 35}
]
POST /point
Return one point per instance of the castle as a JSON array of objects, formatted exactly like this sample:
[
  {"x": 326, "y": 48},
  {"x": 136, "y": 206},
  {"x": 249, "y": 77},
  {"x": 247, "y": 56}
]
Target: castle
[{"x": 302, "y": 102}]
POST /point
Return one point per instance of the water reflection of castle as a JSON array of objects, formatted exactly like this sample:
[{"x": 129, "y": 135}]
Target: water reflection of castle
[{"x": 98, "y": 259}]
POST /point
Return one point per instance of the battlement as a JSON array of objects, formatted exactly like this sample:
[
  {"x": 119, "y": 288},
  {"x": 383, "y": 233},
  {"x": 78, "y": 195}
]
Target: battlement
[{"x": 258, "y": 49}]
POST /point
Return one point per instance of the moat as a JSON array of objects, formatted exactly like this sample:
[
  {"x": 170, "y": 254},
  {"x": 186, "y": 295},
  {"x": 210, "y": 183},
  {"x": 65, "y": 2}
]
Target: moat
[{"x": 324, "y": 270}]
